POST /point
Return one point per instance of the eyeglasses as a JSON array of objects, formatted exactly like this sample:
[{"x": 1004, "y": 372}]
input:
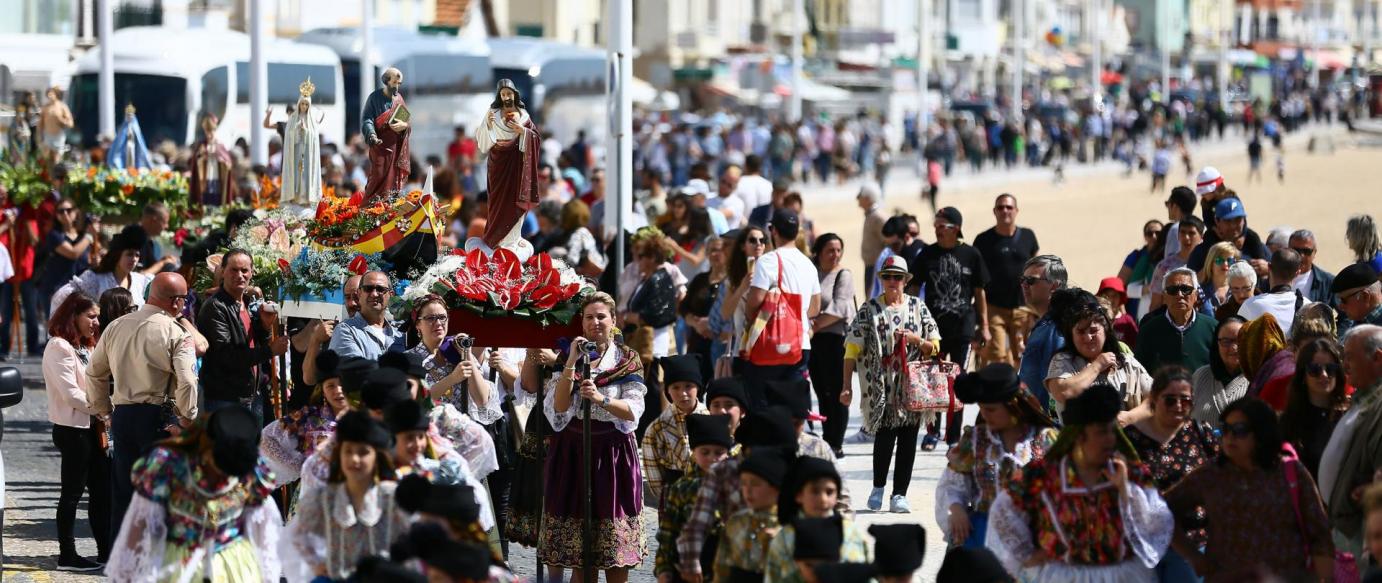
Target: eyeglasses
[
  {"x": 1222, "y": 261},
  {"x": 67, "y": 210},
  {"x": 1180, "y": 290},
  {"x": 891, "y": 276},
  {"x": 756, "y": 240},
  {"x": 1238, "y": 429},
  {"x": 1228, "y": 342},
  {"x": 1004, "y": 207},
  {"x": 375, "y": 289},
  {"x": 1240, "y": 288},
  {"x": 434, "y": 319},
  {"x": 1318, "y": 370},
  {"x": 1304, "y": 251},
  {"x": 1174, "y": 400},
  {"x": 1030, "y": 281}
]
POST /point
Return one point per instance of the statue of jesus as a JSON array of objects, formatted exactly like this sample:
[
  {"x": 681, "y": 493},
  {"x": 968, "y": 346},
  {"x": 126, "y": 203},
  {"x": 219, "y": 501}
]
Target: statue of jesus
[
  {"x": 384, "y": 122},
  {"x": 514, "y": 145}
]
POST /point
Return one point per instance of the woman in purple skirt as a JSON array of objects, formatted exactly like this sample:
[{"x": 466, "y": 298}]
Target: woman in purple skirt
[{"x": 615, "y": 390}]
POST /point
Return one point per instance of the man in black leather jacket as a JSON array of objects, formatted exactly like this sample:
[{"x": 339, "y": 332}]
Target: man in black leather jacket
[{"x": 239, "y": 344}]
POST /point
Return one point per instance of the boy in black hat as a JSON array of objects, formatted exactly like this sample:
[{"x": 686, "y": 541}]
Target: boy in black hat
[
  {"x": 898, "y": 550},
  {"x": 743, "y": 548},
  {"x": 725, "y": 396},
  {"x": 666, "y": 456},
  {"x": 418, "y": 450},
  {"x": 719, "y": 495},
  {"x": 795, "y": 395},
  {"x": 710, "y": 443},
  {"x": 813, "y": 489},
  {"x": 467, "y": 436},
  {"x": 967, "y": 565}
]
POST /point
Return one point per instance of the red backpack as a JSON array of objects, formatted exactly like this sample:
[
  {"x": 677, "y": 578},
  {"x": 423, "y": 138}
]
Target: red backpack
[{"x": 774, "y": 338}]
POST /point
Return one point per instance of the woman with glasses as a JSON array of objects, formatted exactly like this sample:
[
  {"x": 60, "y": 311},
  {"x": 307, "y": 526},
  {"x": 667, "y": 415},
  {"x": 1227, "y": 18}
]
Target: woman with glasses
[
  {"x": 1242, "y": 284},
  {"x": 889, "y": 331},
  {"x": 1214, "y": 276},
  {"x": 1172, "y": 444},
  {"x": 1138, "y": 265},
  {"x": 1317, "y": 398},
  {"x": 748, "y": 247},
  {"x": 68, "y": 248},
  {"x": 1261, "y": 511},
  {"x": 1221, "y": 381}
]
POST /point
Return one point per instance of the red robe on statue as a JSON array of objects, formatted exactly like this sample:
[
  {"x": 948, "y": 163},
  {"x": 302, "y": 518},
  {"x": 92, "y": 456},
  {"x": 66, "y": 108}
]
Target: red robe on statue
[
  {"x": 513, "y": 188},
  {"x": 389, "y": 162}
]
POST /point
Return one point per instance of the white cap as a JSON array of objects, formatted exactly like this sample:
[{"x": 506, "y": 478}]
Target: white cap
[
  {"x": 696, "y": 186},
  {"x": 1208, "y": 180}
]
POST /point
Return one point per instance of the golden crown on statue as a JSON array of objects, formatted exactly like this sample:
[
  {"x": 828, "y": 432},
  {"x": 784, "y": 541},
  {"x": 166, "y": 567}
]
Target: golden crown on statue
[{"x": 307, "y": 88}]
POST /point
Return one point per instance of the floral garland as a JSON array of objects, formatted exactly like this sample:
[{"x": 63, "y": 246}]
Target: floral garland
[
  {"x": 124, "y": 193},
  {"x": 273, "y": 239},
  {"x": 541, "y": 288},
  {"x": 317, "y": 272}
]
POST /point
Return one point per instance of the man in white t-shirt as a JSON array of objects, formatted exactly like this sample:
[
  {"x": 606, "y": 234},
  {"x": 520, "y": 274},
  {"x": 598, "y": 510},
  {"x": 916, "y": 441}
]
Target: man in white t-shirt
[
  {"x": 1281, "y": 300},
  {"x": 753, "y": 188},
  {"x": 728, "y": 203},
  {"x": 799, "y": 276}
]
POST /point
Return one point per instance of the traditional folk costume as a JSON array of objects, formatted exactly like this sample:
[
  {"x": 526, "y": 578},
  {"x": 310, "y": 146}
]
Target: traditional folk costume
[
  {"x": 747, "y": 534},
  {"x": 720, "y": 495},
  {"x": 328, "y": 531},
  {"x": 681, "y": 495},
  {"x": 980, "y": 466},
  {"x": 191, "y": 521},
  {"x": 288, "y": 442},
  {"x": 666, "y": 449},
  {"x": 1092, "y": 532},
  {"x": 617, "y": 480},
  {"x": 830, "y": 539},
  {"x": 438, "y": 463}
]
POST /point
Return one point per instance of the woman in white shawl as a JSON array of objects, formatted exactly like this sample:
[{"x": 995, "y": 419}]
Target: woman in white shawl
[{"x": 302, "y": 169}]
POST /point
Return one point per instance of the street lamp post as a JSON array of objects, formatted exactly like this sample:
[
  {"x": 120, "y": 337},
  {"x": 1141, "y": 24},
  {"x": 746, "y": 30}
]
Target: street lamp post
[
  {"x": 259, "y": 81},
  {"x": 105, "y": 99}
]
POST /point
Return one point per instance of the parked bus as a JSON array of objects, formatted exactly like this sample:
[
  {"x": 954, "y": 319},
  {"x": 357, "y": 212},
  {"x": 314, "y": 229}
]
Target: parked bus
[
  {"x": 563, "y": 85},
  {"x": 446, "y": 79},
  {"x": 173, "y": 76}
]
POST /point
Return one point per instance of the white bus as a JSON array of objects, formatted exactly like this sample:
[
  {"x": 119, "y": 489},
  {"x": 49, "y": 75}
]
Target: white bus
[
  {"x": 563, "y": 85},
  {"x": 173, "y": 76},
  {"x": 446, "y": 79}
]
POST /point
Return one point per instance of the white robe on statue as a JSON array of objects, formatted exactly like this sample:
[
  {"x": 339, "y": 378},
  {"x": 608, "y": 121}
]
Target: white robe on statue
[{"x": 302, "y": 168}]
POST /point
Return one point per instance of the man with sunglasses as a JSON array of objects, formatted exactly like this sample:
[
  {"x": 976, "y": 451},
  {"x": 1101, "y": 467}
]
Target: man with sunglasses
[
  {"x": 1314, "y": 283},
  {"x": 1177, "y": 334},
  {"x": 1360, "y": 296},
  {"x": 953, "y": 275},
  {"x": 369, "y": 333},
  {"x": 1188, "y": 232},
  {"x": 1281, "y": 300},
  {"x": 1005, "y": 248}
]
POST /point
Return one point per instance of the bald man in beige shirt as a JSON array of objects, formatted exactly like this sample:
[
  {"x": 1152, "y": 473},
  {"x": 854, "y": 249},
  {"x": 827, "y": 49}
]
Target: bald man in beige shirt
[{"x": 151, "y": 358}]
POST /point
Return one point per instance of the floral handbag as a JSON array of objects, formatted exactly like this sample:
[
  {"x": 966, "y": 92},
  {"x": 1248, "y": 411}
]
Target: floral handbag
[{"x": 929, "y": 384}]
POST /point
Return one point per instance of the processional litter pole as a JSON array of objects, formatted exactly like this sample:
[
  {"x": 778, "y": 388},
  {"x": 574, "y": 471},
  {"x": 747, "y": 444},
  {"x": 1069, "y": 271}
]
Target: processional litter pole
[{"x": 588, "y": 507}]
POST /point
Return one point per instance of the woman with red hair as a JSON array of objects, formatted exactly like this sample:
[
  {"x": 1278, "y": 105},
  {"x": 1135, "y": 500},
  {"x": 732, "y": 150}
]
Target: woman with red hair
[{"x": 73, "y": 331}]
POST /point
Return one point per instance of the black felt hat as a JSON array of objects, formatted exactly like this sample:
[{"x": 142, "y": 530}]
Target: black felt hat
[
  {"x": 995, "y": 383},
  {"x": 794, "y": 394},
  {"x": 818, "y": 539},
  {"x": 727, "y": 387},
  {"x": 844, "y": 572},
  {"x": 234, "y": 436},
  {"x": 328, "y": 365},
  {"x": 1353, "y": 278},
  {"x": 739, "y": 575},
  {"x": 353, "y": 372},
  {"x": 898, "y": 548},
  {"x": 460, "y": 560},
  {"x": 708, "y": 430},
  {"x": 376, "y": 569},
  {"x": 684, "y": 368},
  {"x": 359, "y": 427},
  {"x": 971, "y": 565},
  {"x": 132, "y": 237},
  {"x": 1098, "y": 404},
  {"x": 406, "y": 416},
  {"x": 768, "y": 463},
  {"x": 770, "y": 427},
  {"x": 410, "y": 363},
  {"x": 384, "y": 387},
  {"x": 455, "y": 502}
]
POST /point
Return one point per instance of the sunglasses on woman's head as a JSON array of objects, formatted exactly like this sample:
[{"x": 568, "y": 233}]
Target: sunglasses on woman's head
[
  {"x": 1238, "y": 429},
  {"x": 1316, "y": 369}
]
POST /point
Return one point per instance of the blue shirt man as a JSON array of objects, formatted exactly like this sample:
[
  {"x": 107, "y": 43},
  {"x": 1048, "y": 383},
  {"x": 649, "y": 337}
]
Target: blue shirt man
[{"x": 368, "y": 333}]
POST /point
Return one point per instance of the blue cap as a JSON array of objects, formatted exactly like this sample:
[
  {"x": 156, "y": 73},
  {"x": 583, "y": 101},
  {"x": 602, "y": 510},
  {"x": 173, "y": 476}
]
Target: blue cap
[{"x": 1230, "y": 208}]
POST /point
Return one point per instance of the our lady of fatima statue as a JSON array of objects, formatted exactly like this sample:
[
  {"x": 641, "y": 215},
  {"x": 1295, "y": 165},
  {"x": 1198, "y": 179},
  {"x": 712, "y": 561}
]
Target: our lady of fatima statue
[{"x": 302, "y": 172}]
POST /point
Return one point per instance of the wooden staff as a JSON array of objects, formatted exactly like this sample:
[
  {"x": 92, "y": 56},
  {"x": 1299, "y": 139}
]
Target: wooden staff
[
  {"x": 268, "y": 314},
  {"x": 588, "y": 511}
]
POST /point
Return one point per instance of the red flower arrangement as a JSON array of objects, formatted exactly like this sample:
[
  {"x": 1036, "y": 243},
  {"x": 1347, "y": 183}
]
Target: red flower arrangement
[{"x": 502, "y": 286}]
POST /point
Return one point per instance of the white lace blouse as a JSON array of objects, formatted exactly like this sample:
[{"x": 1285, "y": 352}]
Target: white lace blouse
[
  {"x": 328, "y": 531},
  {"x": 630, "y": 391}
]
